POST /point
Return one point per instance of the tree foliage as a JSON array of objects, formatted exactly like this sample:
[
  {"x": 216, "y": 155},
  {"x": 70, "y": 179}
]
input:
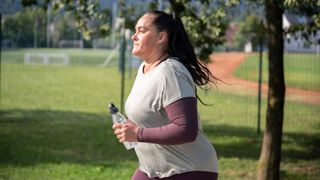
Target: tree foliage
[
  {"x": 65, "y": 28},
  {"x": 253, "y": 30},
  {"x": 20, "y": 27},
  {"x": 205, "y": 20},
  {"x": 310, "y": 9},
  {"x": 90, "y": 19}
]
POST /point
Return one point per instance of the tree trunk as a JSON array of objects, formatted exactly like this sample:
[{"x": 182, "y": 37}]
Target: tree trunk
[{"x": 270, "y": 157}]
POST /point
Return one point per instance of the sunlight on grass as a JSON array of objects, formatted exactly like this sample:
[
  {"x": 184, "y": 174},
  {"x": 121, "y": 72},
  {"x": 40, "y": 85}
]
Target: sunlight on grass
[
  {"x": 301, "y": 70},
  {"x": 54, "y": 124}
]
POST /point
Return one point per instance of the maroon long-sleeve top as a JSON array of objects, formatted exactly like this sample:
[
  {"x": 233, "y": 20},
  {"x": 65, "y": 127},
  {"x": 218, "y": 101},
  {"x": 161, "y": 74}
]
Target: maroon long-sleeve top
[{"x": 183, "y": 126}]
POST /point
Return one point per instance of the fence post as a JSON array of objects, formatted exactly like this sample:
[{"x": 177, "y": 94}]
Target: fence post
[
  {"x": 0, "y": 52},
  {"x": 259, "y": 89},
  {"x": 123, "y": 54}
]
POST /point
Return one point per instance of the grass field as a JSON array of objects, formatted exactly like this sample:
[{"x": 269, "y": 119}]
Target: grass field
[
  {"x": 86, "y": 57},
  {"x": 301, "y": 70},
  {"x": 54, "y": 124}
]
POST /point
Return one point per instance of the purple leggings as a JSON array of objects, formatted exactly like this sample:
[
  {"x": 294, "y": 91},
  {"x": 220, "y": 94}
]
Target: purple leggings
[{"x": 139, "y": 175}]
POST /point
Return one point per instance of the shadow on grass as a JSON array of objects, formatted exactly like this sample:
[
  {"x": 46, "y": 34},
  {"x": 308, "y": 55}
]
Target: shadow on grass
[
  {"x": 234, "y": 142},
  {"x": 29, "y": 137},
  {"x": 244, "y": 142}
]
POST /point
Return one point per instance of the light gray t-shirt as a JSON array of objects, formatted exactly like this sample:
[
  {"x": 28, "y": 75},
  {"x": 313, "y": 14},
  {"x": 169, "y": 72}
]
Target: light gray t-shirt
[{"x": 150, "y": 94}]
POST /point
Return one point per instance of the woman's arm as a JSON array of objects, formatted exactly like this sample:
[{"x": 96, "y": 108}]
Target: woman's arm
[{"x": 183, "y": 127}]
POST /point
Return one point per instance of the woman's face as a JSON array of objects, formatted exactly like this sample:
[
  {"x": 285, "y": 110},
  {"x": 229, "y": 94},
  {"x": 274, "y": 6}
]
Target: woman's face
[{"x": 146, "y": 38}]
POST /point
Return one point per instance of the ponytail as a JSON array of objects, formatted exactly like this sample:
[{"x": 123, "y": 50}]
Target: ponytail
[{"x": 179, "y": 46}]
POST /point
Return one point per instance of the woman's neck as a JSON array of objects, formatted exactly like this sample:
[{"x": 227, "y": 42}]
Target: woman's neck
[{"x": 150, "y": 64}]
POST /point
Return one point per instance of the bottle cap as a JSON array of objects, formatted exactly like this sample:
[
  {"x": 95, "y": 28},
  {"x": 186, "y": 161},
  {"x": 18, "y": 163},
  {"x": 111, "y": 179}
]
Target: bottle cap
[{"x": 113, "y": 109}]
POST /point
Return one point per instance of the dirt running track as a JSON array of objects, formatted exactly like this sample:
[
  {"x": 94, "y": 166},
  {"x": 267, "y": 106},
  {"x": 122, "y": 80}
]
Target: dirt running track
[{"x": 224, "y": 64}]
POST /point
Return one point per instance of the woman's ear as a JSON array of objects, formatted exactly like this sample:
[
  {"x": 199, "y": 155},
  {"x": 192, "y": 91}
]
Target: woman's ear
[{"x": 162, "y": 37}]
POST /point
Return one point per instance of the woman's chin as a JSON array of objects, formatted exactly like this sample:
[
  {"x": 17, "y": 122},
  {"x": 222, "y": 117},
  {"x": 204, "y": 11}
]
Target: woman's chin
[{"x": 135, "y": 53}]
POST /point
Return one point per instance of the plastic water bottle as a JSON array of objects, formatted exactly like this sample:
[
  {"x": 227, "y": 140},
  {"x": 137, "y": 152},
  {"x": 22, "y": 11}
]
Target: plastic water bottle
[{"x": 117, "y": 117}]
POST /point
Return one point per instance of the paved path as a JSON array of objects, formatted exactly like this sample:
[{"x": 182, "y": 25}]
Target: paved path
[{"x": 224, "y": 64}]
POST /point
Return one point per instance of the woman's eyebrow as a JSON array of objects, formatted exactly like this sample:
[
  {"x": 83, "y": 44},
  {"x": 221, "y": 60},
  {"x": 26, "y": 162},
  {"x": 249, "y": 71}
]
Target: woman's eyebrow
[{"x": 140, "y": 27}]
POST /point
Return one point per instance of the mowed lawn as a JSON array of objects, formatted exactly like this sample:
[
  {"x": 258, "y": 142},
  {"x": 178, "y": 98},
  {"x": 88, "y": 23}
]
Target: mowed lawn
[
  {"x": 54, "y": 124},
  {"x": 300, "y": 70}
]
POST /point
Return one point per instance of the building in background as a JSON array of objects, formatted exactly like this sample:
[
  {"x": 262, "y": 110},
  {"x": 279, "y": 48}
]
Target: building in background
[{"x": 295, "y": 42}]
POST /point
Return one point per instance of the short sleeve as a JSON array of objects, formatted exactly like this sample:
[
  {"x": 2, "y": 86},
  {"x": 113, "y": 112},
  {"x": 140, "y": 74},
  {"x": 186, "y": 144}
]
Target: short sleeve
[{"x": 177, "y": 83}]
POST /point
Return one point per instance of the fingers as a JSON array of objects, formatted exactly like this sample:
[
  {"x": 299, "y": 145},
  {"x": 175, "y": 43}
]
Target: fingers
[
  {"x": 126, "y": 132},
  {"x": 117, "y": 126},
  {"x": 121, "y": 137},
  {"x": 120, "y": 131}
]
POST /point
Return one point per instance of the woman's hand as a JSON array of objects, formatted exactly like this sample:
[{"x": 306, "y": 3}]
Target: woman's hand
[{"x": 126, "y": 132}]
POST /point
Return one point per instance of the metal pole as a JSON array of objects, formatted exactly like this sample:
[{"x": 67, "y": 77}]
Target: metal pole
[
  {"x": 259, "y": 89},
  {"x": 122, "y": 52},
  {"x": 35, "y": 32},
  {"x": 0, "y": 53},
  {"x": 123, "y": 57},
  {"x": 48, "y": 24},
  {"x": 114, "y": 19}
]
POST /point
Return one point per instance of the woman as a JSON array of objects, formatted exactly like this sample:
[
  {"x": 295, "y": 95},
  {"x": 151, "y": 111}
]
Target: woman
[{"x": 162, "y": 105}]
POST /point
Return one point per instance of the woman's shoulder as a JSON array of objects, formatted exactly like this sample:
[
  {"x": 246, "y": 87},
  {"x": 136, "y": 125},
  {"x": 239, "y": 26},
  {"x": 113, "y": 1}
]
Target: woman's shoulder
[
  {"x": 173, "y": 64},
  {"x": 173, "y": 61},
  {"x": 173, "y": 67}
]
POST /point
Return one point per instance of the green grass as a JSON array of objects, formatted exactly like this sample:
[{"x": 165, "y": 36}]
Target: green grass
[
  {"x": 54, "y": 124},
  {"x": 87, "y": 57},
  {"x": 301, "y": 70}
]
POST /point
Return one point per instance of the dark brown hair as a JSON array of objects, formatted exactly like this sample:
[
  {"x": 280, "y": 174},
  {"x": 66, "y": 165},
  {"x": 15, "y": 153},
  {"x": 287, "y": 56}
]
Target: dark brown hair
[{"x": 179, "y": 46}]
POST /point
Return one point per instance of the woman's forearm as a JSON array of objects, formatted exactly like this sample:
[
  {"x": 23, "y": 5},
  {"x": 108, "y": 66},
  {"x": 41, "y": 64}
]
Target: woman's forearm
[{"x": 183, "y": 125}]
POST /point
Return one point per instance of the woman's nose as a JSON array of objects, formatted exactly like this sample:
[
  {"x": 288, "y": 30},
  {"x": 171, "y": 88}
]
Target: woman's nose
[{"x": 133, "y": 37}]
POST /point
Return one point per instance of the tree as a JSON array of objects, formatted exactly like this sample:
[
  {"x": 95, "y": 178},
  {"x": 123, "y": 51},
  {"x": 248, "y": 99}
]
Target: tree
[
  {"x": 20, "y": 27},
  {"x": 66, "y": 27},
  {"x": 270, "y": 156},
  {"x": 89, "y": 18},
  {"x": 309, "y": 9},
  {"x": 252, "y": 29},
  {"x": 205, "y": 29}
]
